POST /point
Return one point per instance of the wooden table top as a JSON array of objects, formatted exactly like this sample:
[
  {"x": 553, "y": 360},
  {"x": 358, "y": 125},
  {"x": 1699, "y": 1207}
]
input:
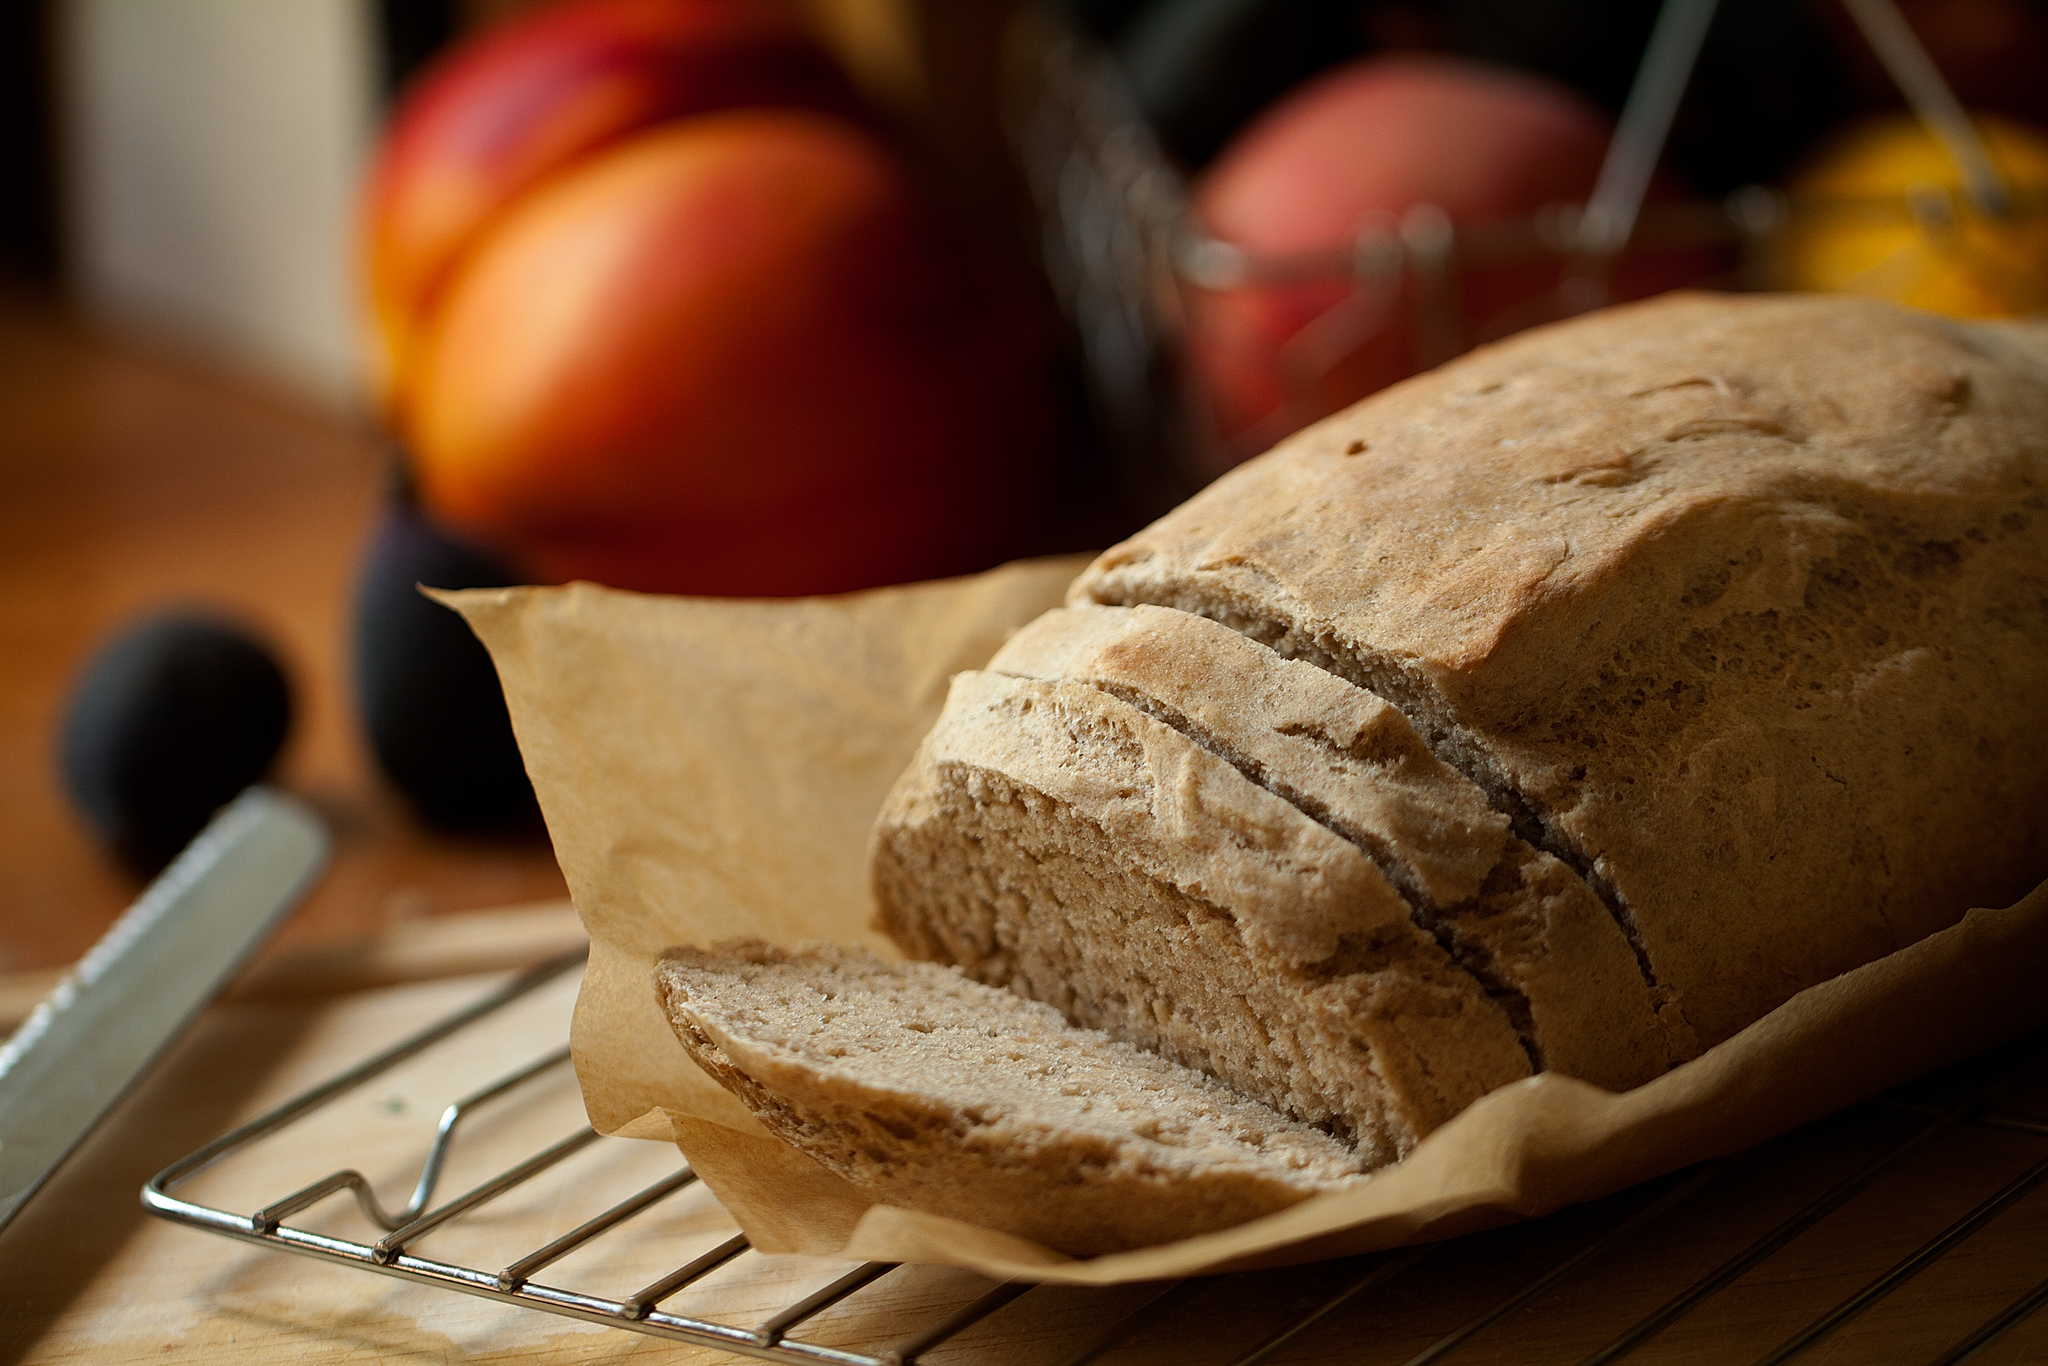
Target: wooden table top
[{"x": 135, "y": 479}]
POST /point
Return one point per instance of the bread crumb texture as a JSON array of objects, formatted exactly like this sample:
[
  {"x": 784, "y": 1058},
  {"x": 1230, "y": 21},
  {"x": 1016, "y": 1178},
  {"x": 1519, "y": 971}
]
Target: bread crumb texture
[
  {"x": 1534, "y": 936},
  {"x": 934, "y": 1092},
  {"x": 1055, "y": 839}
]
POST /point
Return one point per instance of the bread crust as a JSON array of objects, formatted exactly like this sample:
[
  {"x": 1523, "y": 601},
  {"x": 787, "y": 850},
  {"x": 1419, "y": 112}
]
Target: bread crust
[{"x": 1737, "y": 605}]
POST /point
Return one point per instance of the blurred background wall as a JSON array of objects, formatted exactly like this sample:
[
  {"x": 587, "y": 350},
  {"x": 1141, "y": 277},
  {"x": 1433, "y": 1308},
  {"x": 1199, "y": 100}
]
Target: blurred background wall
[{"x": 210, "y": 154}]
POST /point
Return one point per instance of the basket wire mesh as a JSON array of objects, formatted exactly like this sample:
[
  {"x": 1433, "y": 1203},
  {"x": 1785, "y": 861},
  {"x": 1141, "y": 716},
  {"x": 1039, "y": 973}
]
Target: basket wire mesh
[
  {"x": 1129, "y": 260},
  {"x": 1347, "y": 1302}
]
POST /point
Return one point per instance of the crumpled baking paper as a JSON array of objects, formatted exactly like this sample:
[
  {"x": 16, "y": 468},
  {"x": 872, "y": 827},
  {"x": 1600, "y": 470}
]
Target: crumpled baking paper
[{"x": 710, "y": 768}]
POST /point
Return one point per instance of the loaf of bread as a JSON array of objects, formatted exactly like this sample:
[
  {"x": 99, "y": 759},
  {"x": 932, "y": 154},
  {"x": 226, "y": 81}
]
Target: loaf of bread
[
  {"x": 1569, "y": 707},
  {"x": 932, "y": 1091},
  {"x": 1565, "y": 709}
]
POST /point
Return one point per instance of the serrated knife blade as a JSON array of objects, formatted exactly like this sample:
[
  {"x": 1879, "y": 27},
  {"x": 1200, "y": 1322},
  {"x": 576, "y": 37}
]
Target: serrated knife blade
[{"x": 163, "y": 960}]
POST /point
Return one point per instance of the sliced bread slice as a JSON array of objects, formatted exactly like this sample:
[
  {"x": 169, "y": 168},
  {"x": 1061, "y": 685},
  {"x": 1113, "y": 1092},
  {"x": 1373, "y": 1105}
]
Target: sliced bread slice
[
  {"x": 934, "y": 1092},
  {"x": 1535, "y": 936},
  {"x": 1053, "y": 838}
]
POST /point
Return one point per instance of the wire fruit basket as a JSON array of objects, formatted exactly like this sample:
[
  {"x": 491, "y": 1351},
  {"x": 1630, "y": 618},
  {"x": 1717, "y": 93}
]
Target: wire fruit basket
[
  {"x": 1907, "y": 1230},
  {"x": 1134, "y": 269}
]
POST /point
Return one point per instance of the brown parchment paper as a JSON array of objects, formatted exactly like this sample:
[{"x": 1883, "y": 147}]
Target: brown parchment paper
[{"x": 710, "y": 768}]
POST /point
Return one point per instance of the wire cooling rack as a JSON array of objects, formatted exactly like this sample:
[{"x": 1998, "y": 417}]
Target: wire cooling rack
[{"x": 1551, "y": 1289}]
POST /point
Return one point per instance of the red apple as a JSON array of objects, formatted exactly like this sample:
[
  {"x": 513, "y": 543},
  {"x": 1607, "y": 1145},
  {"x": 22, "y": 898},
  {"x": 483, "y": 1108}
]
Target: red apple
[
  {"x": 736, "y": 354},
  {"x": 538, "y": 94},
  {"x": 1361, "y": 145}
]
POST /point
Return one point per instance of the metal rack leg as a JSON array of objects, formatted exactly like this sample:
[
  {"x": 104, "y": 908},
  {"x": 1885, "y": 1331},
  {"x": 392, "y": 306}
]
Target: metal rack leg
[
  {"x": 1386, "y": 1270},
  {"x": 1921, "y": 1258},
  {"x": 1735, "y": 1267},
  {"x": 2011, "y": 1317},
  {"x": 515, "y": 1275},
  {"x": 1141, "y": 1318}
]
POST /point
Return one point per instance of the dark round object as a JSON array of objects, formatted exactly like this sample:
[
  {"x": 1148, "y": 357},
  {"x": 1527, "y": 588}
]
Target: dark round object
[
  {"x": 427, "y": 691},
  {"x": 168, "y": 721}
]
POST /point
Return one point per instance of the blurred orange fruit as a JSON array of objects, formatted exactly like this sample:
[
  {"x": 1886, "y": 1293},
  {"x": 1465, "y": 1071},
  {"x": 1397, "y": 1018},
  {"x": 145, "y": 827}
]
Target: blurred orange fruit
[
  {"x": 1882, "y": 212},
  {"x": 535, "y": 95},
  {"x": 737, "y": 354}
]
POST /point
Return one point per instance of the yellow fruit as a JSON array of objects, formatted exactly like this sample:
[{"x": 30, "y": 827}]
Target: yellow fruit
[{"x": 1882, "y": 212}]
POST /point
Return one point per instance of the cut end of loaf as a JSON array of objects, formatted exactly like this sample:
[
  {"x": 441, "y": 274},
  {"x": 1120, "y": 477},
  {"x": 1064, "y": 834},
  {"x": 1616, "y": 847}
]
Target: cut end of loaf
[
  {"x": 1147, "y": 887},
  {"x": 933, "y": 1092},
  {"x": 1539, "y": 941}
]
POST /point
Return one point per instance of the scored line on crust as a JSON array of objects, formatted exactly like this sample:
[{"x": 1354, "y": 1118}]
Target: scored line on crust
[
  {"x": 1512, "y": 1000},
  {"x": 1287, "y": 640}
]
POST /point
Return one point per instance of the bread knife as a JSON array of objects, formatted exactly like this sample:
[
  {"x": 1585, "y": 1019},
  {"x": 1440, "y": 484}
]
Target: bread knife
[{"x": 136, "y": 990}]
